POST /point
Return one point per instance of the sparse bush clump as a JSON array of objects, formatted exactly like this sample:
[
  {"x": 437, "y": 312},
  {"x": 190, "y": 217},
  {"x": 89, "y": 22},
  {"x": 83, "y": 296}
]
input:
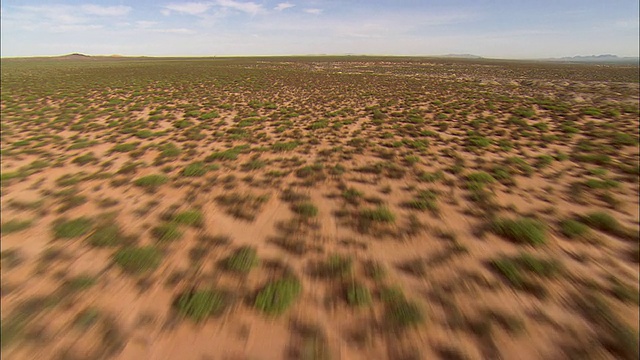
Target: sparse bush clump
[
  {"x": 12, "y": 226},
  {"x": 380, "y": 214},
  {"x": 306, "y": 209},
  {"x": 198, "y": 305},
  {"x": 138, "y": 260},
  {"x": 194, "y": 170},
  {"x": 277, "y": 296},
  {"x": 522, "y": 230},
  {"x": 358, "y": 295},
  {"x": 68, "y": 229},
  {"x": 242, "y": 260},
  {"x": 605, "y": 222},
  {"x": 151, "y": 181},
  {"x": 574, "y": 229},
  {"x": 189, "y": 217},
  {"x": 167, "y": 232}
]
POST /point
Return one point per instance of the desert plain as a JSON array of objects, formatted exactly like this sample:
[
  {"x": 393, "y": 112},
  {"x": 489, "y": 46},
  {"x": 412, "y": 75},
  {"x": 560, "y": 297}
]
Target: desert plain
[{"x": 318, "y": 208}]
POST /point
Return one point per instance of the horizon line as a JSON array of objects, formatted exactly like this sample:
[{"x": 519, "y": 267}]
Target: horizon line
[{"x": 456, "y": 55}]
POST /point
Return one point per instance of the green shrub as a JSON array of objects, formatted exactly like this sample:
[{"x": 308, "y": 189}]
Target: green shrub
[
  {"x": 242, "y": 260},
  {"x": 169, "y": 150},
  {"x": 194, "y": 170},
  {"x": 605, "y": 222},
  {"x": 167, "y": 232},
  {"x": 481, "y": 177},
  {"x": 189, "y": 218},
  {"x": 209, "y": 115},
  {"x": 401, "y": 314},
  {"x": 524, "y": 112},
  {"x": 81, "y": 282},
  {"x": 622, "y": 139},
  {"x": 85, "y": 159},
  {"x": 424, "y": 200},
  {"x": 200, "y": 304},
  {"x": 151, "y": 181},
  {"x": 125, "y": 147},
  {"x": 358, "y": 295},
  {"x": 543, "y": 161},
  {"x": 520, "y": 165},
  {"x": 334, "y": 266},
  {"x": 478, "y": 141},
  {"x": 68, "y": 229},
  {"x": 306, "y": 209},
  {"x": 573, "y": 229},
  {"x": 276, "y": 297},
  {"x": 284, "y": 146},
  {"x": 138, "y": 260},
  {"x": 379, "y": 214},
  {"x": 12, "y": 226},
  {"x": 106, "y": 235},
  {"x": 522, "y": 230}
]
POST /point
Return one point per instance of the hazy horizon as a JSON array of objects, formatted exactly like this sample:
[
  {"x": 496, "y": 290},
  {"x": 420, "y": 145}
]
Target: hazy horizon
[{"x": 492, "y": 29}]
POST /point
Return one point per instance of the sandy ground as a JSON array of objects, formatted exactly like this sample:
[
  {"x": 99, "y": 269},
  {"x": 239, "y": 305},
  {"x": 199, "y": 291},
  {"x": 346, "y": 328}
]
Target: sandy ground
[{"x": 385, "y": 123}]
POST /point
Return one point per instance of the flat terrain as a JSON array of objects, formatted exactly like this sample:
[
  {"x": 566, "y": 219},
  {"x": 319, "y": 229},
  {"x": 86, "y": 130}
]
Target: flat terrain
[{"x": 319, "y": 208}]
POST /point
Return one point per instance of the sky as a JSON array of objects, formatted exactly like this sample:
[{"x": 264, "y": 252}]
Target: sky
[{"x": 510, "y": 29}]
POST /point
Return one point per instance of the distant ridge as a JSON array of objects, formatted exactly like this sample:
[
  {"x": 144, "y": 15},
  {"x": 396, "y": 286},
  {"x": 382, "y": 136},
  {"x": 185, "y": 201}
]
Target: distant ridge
[
  {"x": 462, "y": 56},
  {"x": 74, "y": 56},
  {"x": 603, "y": 58}
]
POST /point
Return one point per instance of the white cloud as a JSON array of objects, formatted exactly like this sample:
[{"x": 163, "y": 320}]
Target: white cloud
[
  {"x": 313, "y": 11},
  {"x": 283, "y": 6},
  {"x": 143, "y": 24},
  {"x": 190, "y": 8},
  {"x": 174, "y": 31},
  {"x": 91, "y": 9},
  {"x": 73, "y": 28},
  {"x": 247, "y": 7}
]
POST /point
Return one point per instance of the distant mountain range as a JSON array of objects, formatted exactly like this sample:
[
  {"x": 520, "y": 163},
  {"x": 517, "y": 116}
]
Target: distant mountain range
[
  {"x": 604, "y": 58},
  {"x": 462, "y": 56}
]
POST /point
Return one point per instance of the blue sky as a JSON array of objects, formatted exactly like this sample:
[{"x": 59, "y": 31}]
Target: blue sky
[{"x": 490, "y": 28}]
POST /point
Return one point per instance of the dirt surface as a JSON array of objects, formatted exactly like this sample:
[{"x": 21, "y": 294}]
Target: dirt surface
[{"x": 319, "y": 208}]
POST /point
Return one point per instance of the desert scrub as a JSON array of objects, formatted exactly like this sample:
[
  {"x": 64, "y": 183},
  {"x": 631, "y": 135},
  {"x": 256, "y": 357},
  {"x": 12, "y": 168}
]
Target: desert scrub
[
  {"x": 605, "y": 222},
  {"x": 305, "y": 209},
  {"x": 335, "y": 266},
  {"x": 481, "y": 177},
  {"x": 167, "y": 232},
  {"x": 151, "y": 181},
  {"x": 193, "y": 218},
  {"x": 284, "y": 146},
  {"x": 79, "y": 283},
  {"x": 400, "y": 313},
  {"x": 195, "y": 169},
  {"x": 424, "y": 200},
  {"x": 12, "y": 226},
  {"x": 574, "y": 229},
  {"x": 277, "y": 296},
  {"x": 379, "y": 214},
  {"x": 106, "y": 235},
  {"x": 125, "y": 147},
  {"x": 68, "y": 229},
  {"x": 522, "y": 230},
  {"x": 198, "y": 305},
  {"x": 242, "y": 260},
  {"x": 352, "y": 195},
  {"x": 85, "y": 159},
  {"x": 358, "y": 295},
  {"x": 137, "y": 260}
]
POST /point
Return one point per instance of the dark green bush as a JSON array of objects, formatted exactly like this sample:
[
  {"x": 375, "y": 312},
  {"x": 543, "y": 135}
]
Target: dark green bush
[
  {"x": 522, "y": 230},
  {"x": 138, "y": 259},
  {"x": 276, "y": 297},
  {"x": 200, "y": 304}
]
